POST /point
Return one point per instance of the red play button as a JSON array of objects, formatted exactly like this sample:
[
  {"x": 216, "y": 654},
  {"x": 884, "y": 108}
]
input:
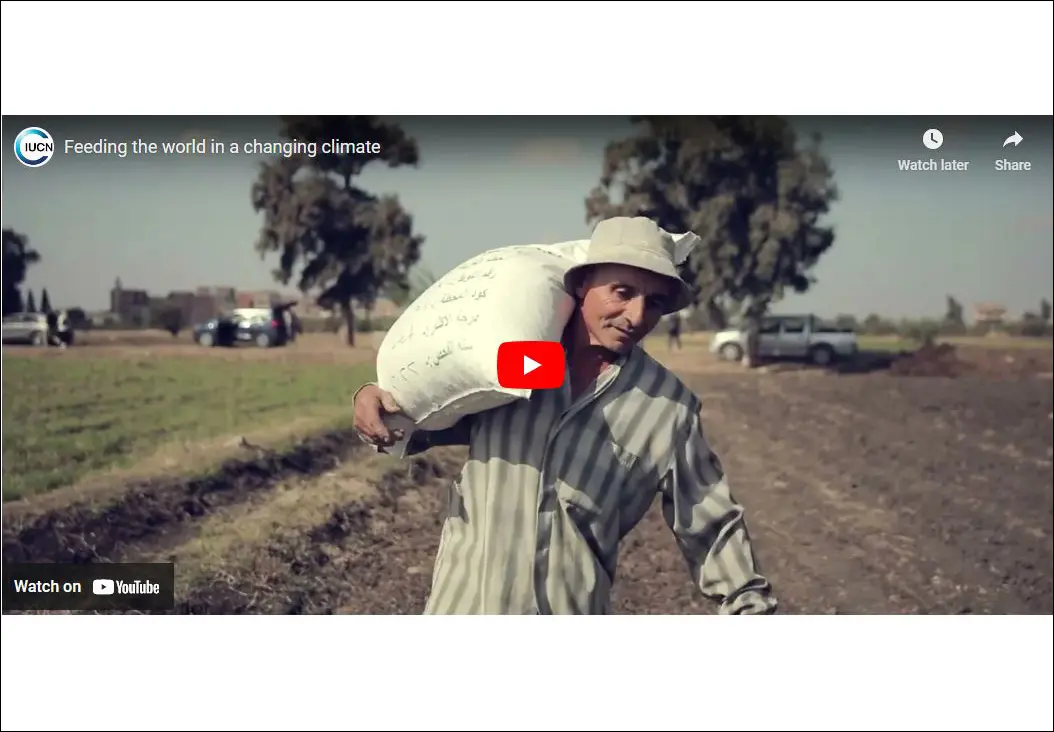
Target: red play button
[{"x": 531, "y": 365}]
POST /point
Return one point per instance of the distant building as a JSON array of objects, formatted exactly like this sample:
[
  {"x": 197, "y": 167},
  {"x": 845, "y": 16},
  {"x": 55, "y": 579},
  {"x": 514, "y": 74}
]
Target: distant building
[
  {"x": 259, "y": 298},
  {"x": 195, "y": 308},
  {"x": 184, "y": 300},
  {"x": 989, "y": 313},
  {"x": 132, "y": 307},
  {"x": 225, "y": 296}
]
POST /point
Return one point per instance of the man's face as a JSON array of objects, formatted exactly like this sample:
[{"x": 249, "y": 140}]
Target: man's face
[{"x": 620, "y": 305}]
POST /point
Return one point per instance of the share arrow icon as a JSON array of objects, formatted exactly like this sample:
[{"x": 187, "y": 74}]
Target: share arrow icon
[{"x": 1015, "y": 138}]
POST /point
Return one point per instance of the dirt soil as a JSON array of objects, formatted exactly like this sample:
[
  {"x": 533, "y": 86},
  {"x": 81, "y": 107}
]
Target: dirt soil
[
  {"x": 864, "y": 493},
  {"x": 950, "y": 361},
  {"x": 147, "y": 510}
]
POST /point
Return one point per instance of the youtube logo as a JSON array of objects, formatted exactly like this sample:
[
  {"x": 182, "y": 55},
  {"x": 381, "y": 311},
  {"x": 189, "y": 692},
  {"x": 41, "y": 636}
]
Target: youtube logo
[{"x": 531, "y": 365}]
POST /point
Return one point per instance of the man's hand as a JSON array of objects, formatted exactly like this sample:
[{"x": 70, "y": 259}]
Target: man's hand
[{"x": 371, "y": 404}]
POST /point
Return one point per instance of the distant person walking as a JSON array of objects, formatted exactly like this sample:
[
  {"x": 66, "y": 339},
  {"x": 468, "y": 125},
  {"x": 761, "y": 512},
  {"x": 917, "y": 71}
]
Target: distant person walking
[
  {"x": 673, "y": 330},
  {"x": 64, "y": 328},
  {"x": 52, "y": 320},
  {"x": 59, "y": 332}
]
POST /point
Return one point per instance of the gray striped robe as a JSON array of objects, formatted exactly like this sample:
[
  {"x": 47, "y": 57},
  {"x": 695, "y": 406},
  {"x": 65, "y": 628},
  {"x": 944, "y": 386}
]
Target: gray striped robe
[{"x": 550, "y": 488}]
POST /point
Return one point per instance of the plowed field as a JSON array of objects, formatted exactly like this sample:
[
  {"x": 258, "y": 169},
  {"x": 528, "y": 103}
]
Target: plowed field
[{"x": 881, "y": 492}]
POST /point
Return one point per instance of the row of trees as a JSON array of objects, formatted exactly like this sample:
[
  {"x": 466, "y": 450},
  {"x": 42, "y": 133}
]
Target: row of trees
[
  {"x": 746, "y": 185},
  {"x": 1034, "y": 324},
  {"x": 753, "y": 192},
  {"x": 756, "y": 194},
  {"x": 30, "y": 303}
]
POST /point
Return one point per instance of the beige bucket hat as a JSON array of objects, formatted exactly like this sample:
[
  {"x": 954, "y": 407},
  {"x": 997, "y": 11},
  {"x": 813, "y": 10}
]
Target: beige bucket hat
[{"x": 639, "y": 242}]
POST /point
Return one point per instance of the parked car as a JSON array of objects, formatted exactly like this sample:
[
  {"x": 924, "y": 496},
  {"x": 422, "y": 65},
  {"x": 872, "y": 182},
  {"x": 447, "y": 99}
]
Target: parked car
[
  {"x": 793, "y": 337},
  {"x": 26, "y": 329},
  {"x": 261, "y": 327}
]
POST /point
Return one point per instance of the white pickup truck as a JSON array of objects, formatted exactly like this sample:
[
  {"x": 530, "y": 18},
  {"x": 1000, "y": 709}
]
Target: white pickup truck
[{"x": 795, "y": 337}]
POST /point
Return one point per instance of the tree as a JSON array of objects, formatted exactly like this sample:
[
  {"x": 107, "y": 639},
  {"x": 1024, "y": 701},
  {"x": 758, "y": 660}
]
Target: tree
[
  {"x": 744, "y": 185},
  {"x": 167, "y": 316},
  {"x": 846, "y": 322},
  {"x": 18, "y": 258},
  {"x": 328, "y": 232},
  {"x": 412, "y": 287},
  {"x": 31, "y": 304},
  {"x": 954, "y": 322},
  {"x": 78, "y": 318},
  {"x": 45, "y": 301}
]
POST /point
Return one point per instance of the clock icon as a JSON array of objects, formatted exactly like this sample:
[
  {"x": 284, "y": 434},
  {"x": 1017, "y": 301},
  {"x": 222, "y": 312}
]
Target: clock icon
[{"x": 933, "y": 139}]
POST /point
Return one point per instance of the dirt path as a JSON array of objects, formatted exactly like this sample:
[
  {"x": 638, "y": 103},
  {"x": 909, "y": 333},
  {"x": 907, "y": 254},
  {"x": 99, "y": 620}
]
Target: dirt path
[{"x": 865, "y": 494}]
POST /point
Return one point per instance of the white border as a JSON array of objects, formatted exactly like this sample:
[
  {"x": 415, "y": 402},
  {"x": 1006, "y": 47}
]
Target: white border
[
  {"x": 517, "y": 673},
  {"x": 559, "y": 58},
  {"x": 483, "y": 673}
]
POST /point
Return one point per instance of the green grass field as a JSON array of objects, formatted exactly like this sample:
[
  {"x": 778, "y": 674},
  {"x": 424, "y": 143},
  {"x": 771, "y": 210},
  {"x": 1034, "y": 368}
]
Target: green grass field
[{"x": 68, "y": 418}]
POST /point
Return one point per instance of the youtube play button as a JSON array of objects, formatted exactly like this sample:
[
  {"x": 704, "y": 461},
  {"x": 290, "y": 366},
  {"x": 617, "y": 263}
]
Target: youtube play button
[{"x": 531, "y": 365}]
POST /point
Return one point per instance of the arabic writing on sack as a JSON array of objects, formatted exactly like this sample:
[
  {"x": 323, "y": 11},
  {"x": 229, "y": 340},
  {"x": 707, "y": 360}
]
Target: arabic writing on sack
[
  {"x": 445, "y": 311},
  {"x": 440, "y": 310},
  {"x": 443, "y": 321},
  {"x": 445, "y": 351},
  {"x": 437, "y": 296}
]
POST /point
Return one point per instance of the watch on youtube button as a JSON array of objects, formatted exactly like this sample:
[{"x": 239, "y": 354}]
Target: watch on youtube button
[{"x": 531, "y": 365}]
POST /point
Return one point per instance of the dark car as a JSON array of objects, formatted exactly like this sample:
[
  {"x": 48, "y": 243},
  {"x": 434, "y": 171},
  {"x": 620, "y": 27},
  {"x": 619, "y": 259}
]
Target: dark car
[{"x": 260, "y": 327}]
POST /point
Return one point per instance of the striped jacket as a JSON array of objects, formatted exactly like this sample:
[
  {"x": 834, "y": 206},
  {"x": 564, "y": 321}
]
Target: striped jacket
[{"x": 550, "y": 488}]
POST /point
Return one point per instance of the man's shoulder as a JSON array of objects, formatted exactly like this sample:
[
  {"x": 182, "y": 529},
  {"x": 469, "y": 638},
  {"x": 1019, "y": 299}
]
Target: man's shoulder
[{"x": 665, "y": 384}]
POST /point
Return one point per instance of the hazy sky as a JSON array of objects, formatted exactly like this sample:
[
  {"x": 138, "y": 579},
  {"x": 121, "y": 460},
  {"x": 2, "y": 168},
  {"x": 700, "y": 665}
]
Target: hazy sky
[{"x": 904, "y": 239}]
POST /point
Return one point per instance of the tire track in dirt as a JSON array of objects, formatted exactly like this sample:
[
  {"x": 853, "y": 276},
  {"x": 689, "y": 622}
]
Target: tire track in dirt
[{"x": 149, "y": 510}]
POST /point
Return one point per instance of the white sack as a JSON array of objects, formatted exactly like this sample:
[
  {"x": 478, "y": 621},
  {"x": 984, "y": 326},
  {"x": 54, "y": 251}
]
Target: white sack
[{"x": 439, "y": 359}]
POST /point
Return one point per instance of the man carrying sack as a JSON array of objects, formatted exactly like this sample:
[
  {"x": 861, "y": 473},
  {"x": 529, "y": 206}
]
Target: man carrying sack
[{"x": 553, "y": 483}]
